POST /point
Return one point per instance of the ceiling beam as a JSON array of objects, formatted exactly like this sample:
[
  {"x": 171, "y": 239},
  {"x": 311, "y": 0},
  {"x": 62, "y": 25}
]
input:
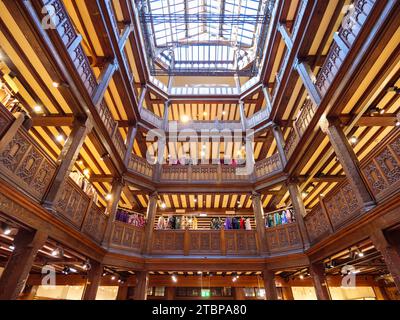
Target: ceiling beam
[{"x": 384, "y": 120}]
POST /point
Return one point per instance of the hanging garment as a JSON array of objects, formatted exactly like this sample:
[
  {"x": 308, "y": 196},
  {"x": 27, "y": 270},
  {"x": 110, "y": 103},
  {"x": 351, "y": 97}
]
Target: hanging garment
[
  {"x": 270, "y": 221},
  {"x": 194, "y": 223},
  {"x": 242, "y": 223},
  {"x": 183, "y": 222},
  {"x": 235, "y": 223},
  {"x": 248, "y": 224},
  {"x": 288, "y": 216},
  {"x": 160, "y": 223},
  {"x": 277, "y": 219},
  {"x": 283, "y": 217},
  {"x": 228, "y": 224},
  {"x": 177, "y": 222}
]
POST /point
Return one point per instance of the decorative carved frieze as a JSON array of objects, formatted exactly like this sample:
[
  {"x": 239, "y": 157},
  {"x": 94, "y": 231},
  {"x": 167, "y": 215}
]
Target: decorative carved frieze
[
  {"x": 127, "y": 237},
  {"x": 317, "y": 224},
  {"x": 285, "y": 237}
]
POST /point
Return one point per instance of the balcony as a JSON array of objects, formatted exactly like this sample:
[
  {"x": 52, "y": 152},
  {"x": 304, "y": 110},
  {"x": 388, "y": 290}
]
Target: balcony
[{"x": 205, "y": 242}]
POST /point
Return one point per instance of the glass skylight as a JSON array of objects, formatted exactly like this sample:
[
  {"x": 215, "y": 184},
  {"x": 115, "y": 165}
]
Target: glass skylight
[{"x": 204, "y": 36}]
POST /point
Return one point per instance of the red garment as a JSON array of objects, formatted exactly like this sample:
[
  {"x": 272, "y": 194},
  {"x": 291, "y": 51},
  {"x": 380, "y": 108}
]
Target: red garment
[{"x": 242, "y": 223}]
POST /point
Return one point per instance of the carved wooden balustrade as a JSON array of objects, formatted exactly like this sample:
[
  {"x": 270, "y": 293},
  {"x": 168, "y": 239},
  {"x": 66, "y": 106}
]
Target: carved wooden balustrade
[
  {"x": 381, "y": 169},
  {"x": 343, "y": 42},
  {"x": 268, "y": 166},
  {"x": 23, "y": 163},
  {"x": 6, "y": 119},
  {"x": 125, "y": 236},
  {"x": 119, "y": 143},
  {"x": 140, "y": 166},
  {"x": 72, "y": 203},
  {"x": 151, "y": 118},
  {"x": 258, "y": 117},
  {"x": 107, "y": 118},
  {"x": 285, "y": 237},
  {"x": 72, "y": 42},
  {"x": 205, "y": 242},
  {"x": 306, "y": 114},
  {"x": 317, "y": 224},
  {"x": 209, "y": 126},
  {"x": 291, "y": 142},
  {"x": 95, "y": 223}
]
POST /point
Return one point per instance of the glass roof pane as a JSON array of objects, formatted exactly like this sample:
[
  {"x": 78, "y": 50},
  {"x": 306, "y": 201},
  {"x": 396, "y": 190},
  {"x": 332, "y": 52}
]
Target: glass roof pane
[{"x": 204, "y": 36}]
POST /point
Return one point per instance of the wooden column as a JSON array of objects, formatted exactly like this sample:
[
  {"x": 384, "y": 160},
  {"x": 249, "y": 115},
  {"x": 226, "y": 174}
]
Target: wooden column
[
  {"x": 142, "y": 280},
  {"x": 308, "y": 78},
  {"x": 112, "y": 206},
  {"x": 250, "y": 161},
  {"x": 349, "y": 162},
  {"x": 280, "y": 143},
  {"x": 66, "y": 159},
  {"x": 243, "y": 119},
  {"x": 166, "y": 115},
  {"x": 150, "y": 216},
  {"x": 299, "y": 210},
  {"x": 317, "y": 272},
  {"x": 287, "y": 293},
  {"x": 389, "y": 254},
  {"x": 239, "y": 293},
  {"x": 269, "y": 285},
  {"x": 170, "y": 293},
  {"x": 104, "y": 80},
  {"x": 259, "y": 217},
  {"x": 132, "y": 131},
  {"x": 186, "y": 242},
  {"x": 122, "y": 292},
  {"x": 16, "y": 272},
  {"x": 12, "y": 130},
  {"x": 93, "y": 281}
]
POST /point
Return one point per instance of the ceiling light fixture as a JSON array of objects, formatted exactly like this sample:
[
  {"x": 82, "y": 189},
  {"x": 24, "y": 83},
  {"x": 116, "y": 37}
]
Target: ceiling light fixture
[
  {"x": 7, "y": 231},
  {"x": 108, "y": 196},
  {"x": 86, "y": 172},
  {"x": 353, "y": 140},
  {"x": 185, "y": 118},
  {"x": 37, "y": 109},
  {"x": 163, "y": 205},
  {"x": 174, "y": 278},
  {"x": 60, "y": 138}
]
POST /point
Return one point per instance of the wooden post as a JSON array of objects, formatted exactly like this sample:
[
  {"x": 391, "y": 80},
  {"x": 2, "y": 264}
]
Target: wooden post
[
  {"x": 93, "y": 281},
  {"x": 317, "y": 272},
  {"x": 243, "y": 119},
  {"x": 170, "y": 293},
  {"x": 287, "y": 293},
  {"x": 67, "y": 159},
  {"x": 150, "y": 216},
  {"x": 186, "y": 242},
  {"x": 389, "y": 254},
  {"x": 16, "y": 272},
  {"x": 299, "y": 210},
  {"x": 308, "y": 78},
  {"x": 259, "y": 217},
  {"x": 12, "y": 130},
  {"x": 239, "y": 293},
  {"x": 269, "y": 285},
  {"x": 122, "y": 292},
  {"x": 142, "y": 280},
  {"x": 112, "y": 206},
  {"x": 348, "y": 160},
  {"x": 280, "y": 144},
  {"x": 325, "y": 212},
  {"x": 132, "y": 131},
  {"x": 223, "y": 242}
]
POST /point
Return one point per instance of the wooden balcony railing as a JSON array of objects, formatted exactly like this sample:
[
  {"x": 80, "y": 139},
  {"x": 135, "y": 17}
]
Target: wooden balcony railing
[
  {"x": 23, "y": 163},
  {"x": 95, "y": 223},
  {"x": 6, "y": 119},
  {"x": 258, "y": 117},
  {"x": 140, "y": 166},
  {"x": 151, "y": 118},
  {"x": 291, "y": 142},
  {"x": 209, "y": 125},
  {"x": 119, "y": 143},
  {"x": 268, "y": 166},
  {"x": 285, "y": 237},
  {"x": 72, "y": 42},
  {"x": 381, "y": 168},
  {"x": 127, "y": 237},
  {"x": 317, "y": 224},
  {"x": 306, "y": 114},
  {"x": 73, "y": 203},
  {"x": 107, "y": 118},
  {"x": 342, "y": 43},
  {"x": 205, "y": 242}
]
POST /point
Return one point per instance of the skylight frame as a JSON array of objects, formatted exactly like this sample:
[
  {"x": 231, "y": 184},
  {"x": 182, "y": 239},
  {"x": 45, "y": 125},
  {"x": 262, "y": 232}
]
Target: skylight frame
[{"x": 229, "y": 30}]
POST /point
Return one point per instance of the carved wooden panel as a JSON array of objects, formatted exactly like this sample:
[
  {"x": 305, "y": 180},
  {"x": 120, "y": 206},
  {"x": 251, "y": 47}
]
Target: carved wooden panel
[
  {"x": 25, "y": 165},
  {"x": 140, "y": 166},
  {"x": 168, "y": 241},
  {"x": 283, "y": 238},
  {"x": 268, "y": 166},
  {"x": 382, "y": 171},
  {"x": 204, "y": 242},
  {"x": 72, "y": 203},
  {"x": 342, "y": 204},
  {"x": 95, "y": 223},
  {"x": 241, "y": 242},
  {"x": 317, "y": 224},
  {"x": 66, "y": 31},
  {"x": 127, "y": 237},
  {"x": 6, "y": 119}
]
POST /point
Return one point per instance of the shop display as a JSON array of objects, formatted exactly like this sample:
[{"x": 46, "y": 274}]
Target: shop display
[
  {"x": 280, "y": 217},
  {"x": 133, "y": 218}
]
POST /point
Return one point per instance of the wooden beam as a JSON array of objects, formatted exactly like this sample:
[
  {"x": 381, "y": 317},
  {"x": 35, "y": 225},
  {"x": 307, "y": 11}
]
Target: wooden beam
[
  {"x": 53, "y": 121},
  {"x": 384, "y": 120}
]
